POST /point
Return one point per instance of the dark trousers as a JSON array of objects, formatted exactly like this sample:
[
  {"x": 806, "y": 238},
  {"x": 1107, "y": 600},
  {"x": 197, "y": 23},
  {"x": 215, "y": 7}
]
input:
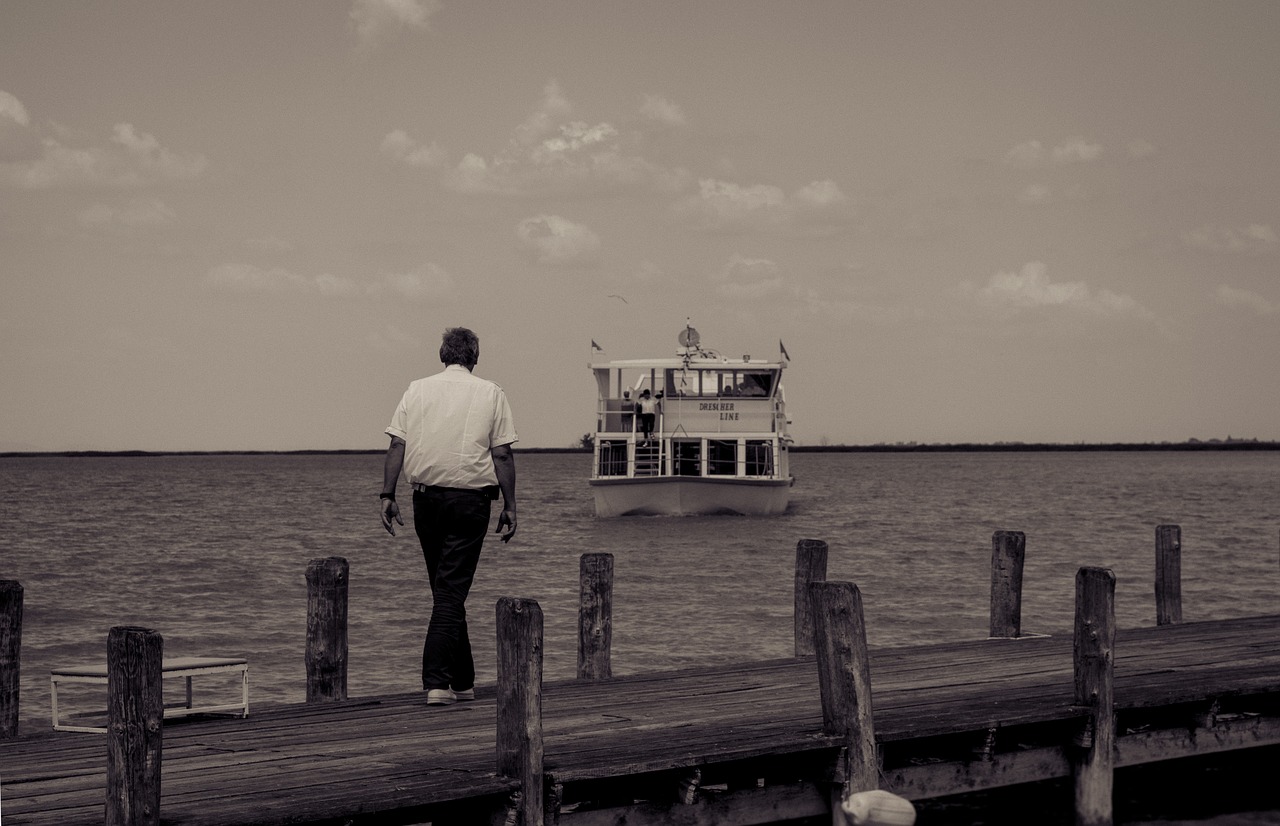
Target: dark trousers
[{"x": 451, "y": 524}]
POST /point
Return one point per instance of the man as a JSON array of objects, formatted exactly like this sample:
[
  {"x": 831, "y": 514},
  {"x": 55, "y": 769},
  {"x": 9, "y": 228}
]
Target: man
[
  {"x": 648, "y": 408},
  {"x": 451, "y": 437}
]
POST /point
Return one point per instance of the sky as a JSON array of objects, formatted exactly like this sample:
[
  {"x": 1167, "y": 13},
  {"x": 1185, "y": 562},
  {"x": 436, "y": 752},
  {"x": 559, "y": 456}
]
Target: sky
[{"x": 244, "y": 224}]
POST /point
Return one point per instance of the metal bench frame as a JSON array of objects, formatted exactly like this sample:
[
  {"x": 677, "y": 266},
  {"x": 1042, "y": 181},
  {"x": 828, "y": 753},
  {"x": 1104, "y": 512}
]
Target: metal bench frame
[{"x": 186, "y": 667}]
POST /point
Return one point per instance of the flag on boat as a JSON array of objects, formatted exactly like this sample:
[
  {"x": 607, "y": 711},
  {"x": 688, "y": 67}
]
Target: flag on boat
[
  {"x": 783, "y": 348},
  {"x": 595, "y": 346}
]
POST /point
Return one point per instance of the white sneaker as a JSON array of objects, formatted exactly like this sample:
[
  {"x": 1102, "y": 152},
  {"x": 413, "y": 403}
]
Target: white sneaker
[
  {"x": 465, "y": 695},
  {"x": 441, "y": 697}
]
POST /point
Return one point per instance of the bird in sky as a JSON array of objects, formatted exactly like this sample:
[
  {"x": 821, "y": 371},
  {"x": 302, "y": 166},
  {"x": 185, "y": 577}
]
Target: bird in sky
[{"x": 620, "y": 298}]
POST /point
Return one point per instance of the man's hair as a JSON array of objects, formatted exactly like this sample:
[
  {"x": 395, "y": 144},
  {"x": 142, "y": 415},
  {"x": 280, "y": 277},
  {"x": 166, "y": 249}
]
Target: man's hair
[{"x": 460, "y": 346}]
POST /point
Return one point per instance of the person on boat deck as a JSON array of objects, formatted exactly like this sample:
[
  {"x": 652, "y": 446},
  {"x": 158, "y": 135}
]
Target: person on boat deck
[
  {"x": 647, "y": 406},
  {"x": 451, "y": 437},
  {"x": 628, "y": 410}
]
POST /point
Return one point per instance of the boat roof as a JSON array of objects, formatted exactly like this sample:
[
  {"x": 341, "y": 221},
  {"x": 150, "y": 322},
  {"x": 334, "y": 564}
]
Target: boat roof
[{"x": 692, "y": 362}]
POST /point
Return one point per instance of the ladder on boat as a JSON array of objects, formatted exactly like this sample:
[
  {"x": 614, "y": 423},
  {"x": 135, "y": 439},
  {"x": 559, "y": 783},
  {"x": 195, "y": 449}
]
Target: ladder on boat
[{"x": 648, "y": 458}]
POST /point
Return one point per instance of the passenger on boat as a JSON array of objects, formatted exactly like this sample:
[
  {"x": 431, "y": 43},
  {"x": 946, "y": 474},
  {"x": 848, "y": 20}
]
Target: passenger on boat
[
  {"x": 648, "y": 408},
  {"x": 628, "y": 411}
]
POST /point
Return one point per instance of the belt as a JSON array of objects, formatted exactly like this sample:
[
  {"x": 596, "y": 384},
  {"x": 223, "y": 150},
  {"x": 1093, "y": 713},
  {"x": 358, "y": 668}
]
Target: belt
[{"x": 488, "y": 492}]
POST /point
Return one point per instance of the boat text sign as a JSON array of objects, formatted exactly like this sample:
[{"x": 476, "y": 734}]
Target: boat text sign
[{"x": 720, "y": 414}]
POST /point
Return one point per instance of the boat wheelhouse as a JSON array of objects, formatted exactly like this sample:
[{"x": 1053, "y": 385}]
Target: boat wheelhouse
[{"x": 719, "y": 440}]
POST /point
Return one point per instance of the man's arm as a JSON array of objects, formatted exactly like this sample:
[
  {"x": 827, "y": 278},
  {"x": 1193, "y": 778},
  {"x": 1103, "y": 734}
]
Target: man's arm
[
  {"x": 504, "y": 465},
  {"x": 391, "y": 468}
]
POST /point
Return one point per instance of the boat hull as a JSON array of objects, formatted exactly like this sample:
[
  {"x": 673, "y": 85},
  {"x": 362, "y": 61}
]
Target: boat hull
[{"x": 690, "y": 496}]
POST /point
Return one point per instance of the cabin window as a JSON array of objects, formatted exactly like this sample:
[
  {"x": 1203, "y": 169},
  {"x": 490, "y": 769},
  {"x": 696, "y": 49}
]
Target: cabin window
[
  {"x": 684, "y": 382},
  {"x": 613, "y": 458},
  {"x": 722, "y": 457},
  {"x": 753, "y": 383},
  {"x": 759, "y": 458},
  {"x": 686, "y": 457}
]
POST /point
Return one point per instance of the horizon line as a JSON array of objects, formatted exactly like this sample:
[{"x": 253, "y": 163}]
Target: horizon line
[{"x": 881, "y": 447}]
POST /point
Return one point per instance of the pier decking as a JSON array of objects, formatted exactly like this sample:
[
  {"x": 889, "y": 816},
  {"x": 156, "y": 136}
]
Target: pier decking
[{"x": 738, "y": 743}]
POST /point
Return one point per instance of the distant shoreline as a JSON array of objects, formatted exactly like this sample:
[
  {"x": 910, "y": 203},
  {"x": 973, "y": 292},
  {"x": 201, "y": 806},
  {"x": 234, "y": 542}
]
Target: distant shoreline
[{"x": 878, "y": 448}]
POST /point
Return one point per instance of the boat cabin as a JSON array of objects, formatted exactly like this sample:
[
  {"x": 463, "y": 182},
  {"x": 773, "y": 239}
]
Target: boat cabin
[{"x": 715, "y": 417}]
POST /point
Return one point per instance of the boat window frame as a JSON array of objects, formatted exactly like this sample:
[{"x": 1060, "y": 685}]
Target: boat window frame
[
  {"x": 716, "y": 466},
  {"x": 770, "y": 465},
  {"x": 613, "y": 447},
  {"x": 679, "y": 462}
]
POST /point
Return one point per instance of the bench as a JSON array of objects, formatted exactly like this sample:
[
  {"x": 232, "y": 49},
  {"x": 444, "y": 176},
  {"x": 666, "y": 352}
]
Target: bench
[{"x": 186, "y": 667}]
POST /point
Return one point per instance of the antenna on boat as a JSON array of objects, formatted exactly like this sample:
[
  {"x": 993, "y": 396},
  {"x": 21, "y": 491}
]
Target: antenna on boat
[{"x": 689, "y": 340}]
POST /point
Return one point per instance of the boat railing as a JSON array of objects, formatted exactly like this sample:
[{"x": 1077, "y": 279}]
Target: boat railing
[{"x": 622, "y": 452}]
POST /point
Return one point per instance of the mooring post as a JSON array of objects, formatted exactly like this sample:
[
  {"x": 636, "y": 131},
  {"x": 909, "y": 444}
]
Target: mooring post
[
  {"x": 595, "y": 616},
  {"x": 1168, "y": 574},
  {"x": 811, "y": 566},
  {"x": 844, "y": 682},
  {"x": 1008, "y": 551},
  {"x": 135, "y": 726},
  {"x": 1094, "y": 648},
  {"x": 519, "y": 735},
  {"x": 10, "y": 655},
  {"x": 327, "y": 581}
]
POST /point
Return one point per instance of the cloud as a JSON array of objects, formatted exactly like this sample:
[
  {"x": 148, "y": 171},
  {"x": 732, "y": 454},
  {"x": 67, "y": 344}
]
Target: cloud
[
  {"x": 140, "y": 212},
  {"x": 748, "y": 278},
  {"x": 1033, "y": 154},
  {"x": 550, "y": 152},
  {"x": 556, "y": 241},
  {"x": 399, "y": 146},
  {"x": 131, "y": 159},
  {"x": 1254, "y": 238},
  {"x": 18, "y": 141},
  {"x": 12, "y": 108},
  {"x": 393, "y": 340},
  {"x": 376, "y": 20},
  {"x": 658, "y": 109},
  {"x": 1076, "y": 150},
  {"x": 251, "y": 278},
  {"x": 1030, "y": 289},
  {"x": 426, "y": 281},
  {"x": 1035, "y": 194},
  {"x": 725, "y": 206},
  {"x": 1026, "y": 155},
  {"x": 1238, "y": 299}
]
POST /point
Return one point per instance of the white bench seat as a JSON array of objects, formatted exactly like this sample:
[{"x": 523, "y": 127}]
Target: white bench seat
[{"x": 185, "y": 667}]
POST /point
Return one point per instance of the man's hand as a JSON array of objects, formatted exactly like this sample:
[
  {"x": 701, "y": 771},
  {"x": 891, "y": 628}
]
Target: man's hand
[
  {"x": 508, "y": 518},
  {"x": 390, "y": 510}
]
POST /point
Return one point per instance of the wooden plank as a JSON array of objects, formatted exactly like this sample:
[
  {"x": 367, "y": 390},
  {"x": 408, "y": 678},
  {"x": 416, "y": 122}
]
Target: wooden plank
[{"x": 393, "y": 751}]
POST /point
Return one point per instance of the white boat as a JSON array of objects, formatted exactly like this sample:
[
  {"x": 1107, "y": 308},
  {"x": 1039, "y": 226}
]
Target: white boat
[{"x": 719, "y": 443}]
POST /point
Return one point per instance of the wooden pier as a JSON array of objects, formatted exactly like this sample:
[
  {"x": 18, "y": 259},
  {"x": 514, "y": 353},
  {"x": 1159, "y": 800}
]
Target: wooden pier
[{"x": 751, "y": 743}]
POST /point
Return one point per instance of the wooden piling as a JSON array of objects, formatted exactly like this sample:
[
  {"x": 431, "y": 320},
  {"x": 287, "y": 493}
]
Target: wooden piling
[
  {"x": 1094, "y": 663},
  {"x": 844, "y": 683},
  {"x": 10, "y": 655},
  {"x": 595, "y": 616},
  {"x": 1008, "y": 552},
  {"x": 326, "y": 657},
  {"x": 811, "y": 566},
  {"x": 519, "y": 701},
  {"x": 1168, "y": 574},
  {"x": 135, "y": 726}
]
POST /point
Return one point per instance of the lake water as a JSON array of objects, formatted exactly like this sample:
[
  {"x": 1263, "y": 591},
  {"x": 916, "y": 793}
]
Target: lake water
[{"x": 211, "y": 551}]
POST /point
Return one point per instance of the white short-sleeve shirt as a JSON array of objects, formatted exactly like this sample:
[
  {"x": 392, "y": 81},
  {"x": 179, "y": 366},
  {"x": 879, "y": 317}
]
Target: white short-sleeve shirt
[{"x": 449, "y": 423}]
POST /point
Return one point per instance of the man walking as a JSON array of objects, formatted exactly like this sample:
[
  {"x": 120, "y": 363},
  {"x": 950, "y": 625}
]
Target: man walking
[{"x": 451, "y": 437}]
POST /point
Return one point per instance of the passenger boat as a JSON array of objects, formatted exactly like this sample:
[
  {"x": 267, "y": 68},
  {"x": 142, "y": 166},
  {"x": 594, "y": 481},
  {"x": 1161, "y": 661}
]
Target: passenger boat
[{"x": 719, "y": 440}]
